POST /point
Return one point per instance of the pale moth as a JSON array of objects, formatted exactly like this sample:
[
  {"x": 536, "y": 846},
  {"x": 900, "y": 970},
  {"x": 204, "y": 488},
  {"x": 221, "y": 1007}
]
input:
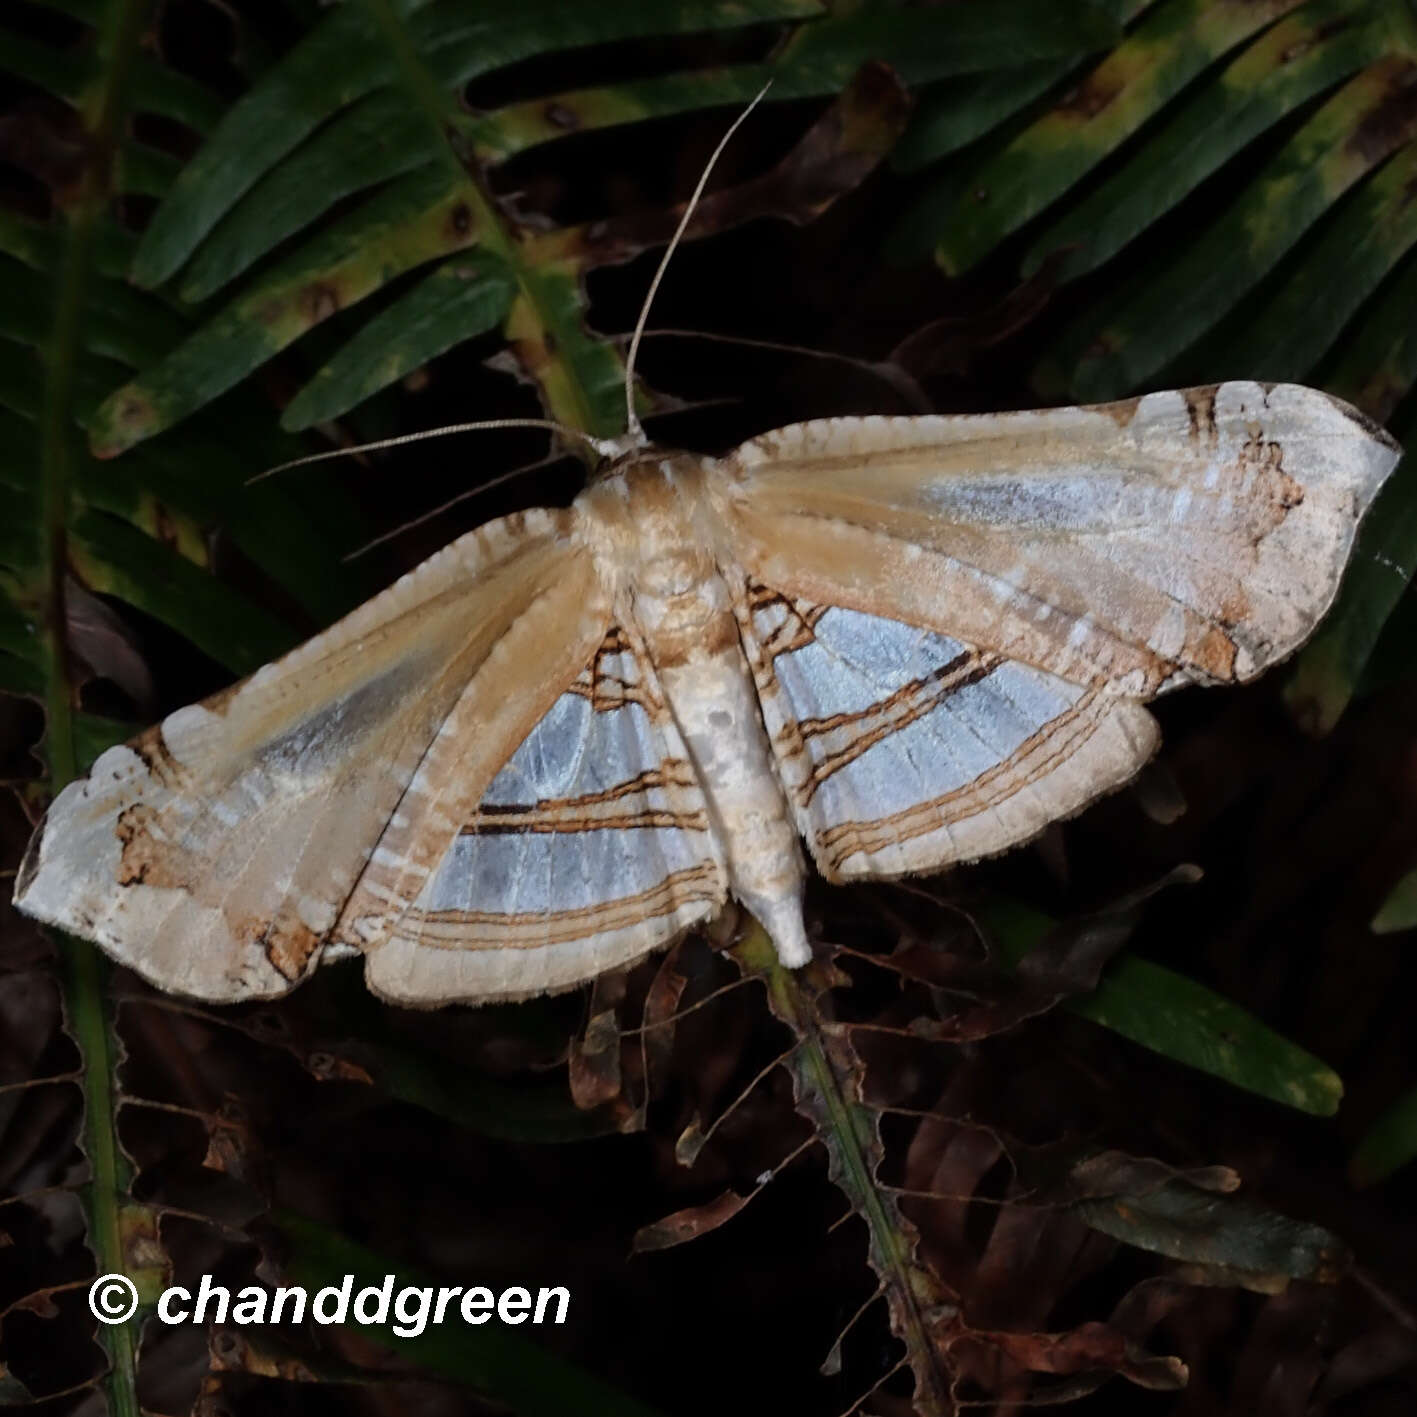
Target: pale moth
[{"x": 573, "y": 733}]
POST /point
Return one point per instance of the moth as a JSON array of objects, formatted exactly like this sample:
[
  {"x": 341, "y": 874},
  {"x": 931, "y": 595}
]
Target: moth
[{"x": 570, "y": 735}]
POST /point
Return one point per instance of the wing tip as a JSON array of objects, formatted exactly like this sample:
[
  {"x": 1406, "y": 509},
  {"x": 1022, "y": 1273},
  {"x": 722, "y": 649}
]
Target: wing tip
[
  {"x": 1369, "y": 425},
  {"x": 48, "y": 901},
  {"x": 1376, "y": 452}
]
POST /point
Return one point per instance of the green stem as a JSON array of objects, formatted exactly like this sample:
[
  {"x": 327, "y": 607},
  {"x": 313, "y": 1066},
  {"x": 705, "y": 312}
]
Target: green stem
[
  {"x": 86, "y": 978},
  {"x": 101, "y": 110},
  {"x": 57, "y": 457},
  {"x": 849, "y": 1130}
]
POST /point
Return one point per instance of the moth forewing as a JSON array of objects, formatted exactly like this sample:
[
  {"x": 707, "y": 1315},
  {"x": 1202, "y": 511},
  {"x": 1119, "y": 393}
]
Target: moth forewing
[
  {"x": 1187, "y": 536},
  {"x": 215, "y": 852}
]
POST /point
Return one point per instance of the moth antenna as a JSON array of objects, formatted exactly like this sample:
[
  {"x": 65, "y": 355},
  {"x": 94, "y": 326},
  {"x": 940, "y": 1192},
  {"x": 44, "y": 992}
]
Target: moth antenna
[
  {"x": 442, "y": 507},
  {"x": 604, "y": 446},
  {"x": 883, "y": 369},
  {"x": 632, "y": 419}
]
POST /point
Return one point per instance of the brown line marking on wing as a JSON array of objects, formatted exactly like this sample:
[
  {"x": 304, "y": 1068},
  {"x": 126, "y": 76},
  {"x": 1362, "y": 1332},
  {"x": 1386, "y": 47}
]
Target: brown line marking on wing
[
  {"x": 607, "y": 691},
  {"x": 968, "y": 668},
  {"x": 563, "y": 926},
  {"x": 1266, "y": 458},
  {"x": 796, "y": 630},
  {"x": 574, "y": 814},
  {"x": 925, "y": 817},
  {"x": 1256, "y": 478},
  {"x": 1200, "y": 409},
  {"x": 152, "y": 748},
  {"x": 1121, "y": 411},
  {"x": 981, "y": 667},
  {"x": 535, "y": 820},
  {"x": 672, "y": 772}
]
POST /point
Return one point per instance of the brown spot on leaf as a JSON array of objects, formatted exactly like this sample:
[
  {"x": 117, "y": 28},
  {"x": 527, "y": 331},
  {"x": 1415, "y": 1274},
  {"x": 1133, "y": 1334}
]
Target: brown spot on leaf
[
  {"x": 1316, "y": 37},
  {"x": 1393, "y": 120},
  {"x": 165, "y": 528},
  {"x": 318, "y": 301},
  {"x": 460, "y": 220},
  {"x": 1096, "y": 92},
  {"x": 559, "y": 116}
]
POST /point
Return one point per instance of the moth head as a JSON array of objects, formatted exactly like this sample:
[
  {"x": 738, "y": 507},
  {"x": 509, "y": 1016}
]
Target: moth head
[{"x": 621, "y": 455}]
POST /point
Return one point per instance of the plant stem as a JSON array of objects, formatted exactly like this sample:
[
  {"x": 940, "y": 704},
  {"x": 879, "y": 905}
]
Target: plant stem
[
  {"x": 101, "y": 111},
  {"x": 828, "y": 1090}
]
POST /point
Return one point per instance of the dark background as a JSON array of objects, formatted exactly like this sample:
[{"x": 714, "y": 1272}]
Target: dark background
[{"x": 1299, "y": 840}]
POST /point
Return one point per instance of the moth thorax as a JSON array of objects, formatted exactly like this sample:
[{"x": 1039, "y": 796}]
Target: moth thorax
[
  {"x": 680, "y": 596},
  {"x": 678, "y": 569}
]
